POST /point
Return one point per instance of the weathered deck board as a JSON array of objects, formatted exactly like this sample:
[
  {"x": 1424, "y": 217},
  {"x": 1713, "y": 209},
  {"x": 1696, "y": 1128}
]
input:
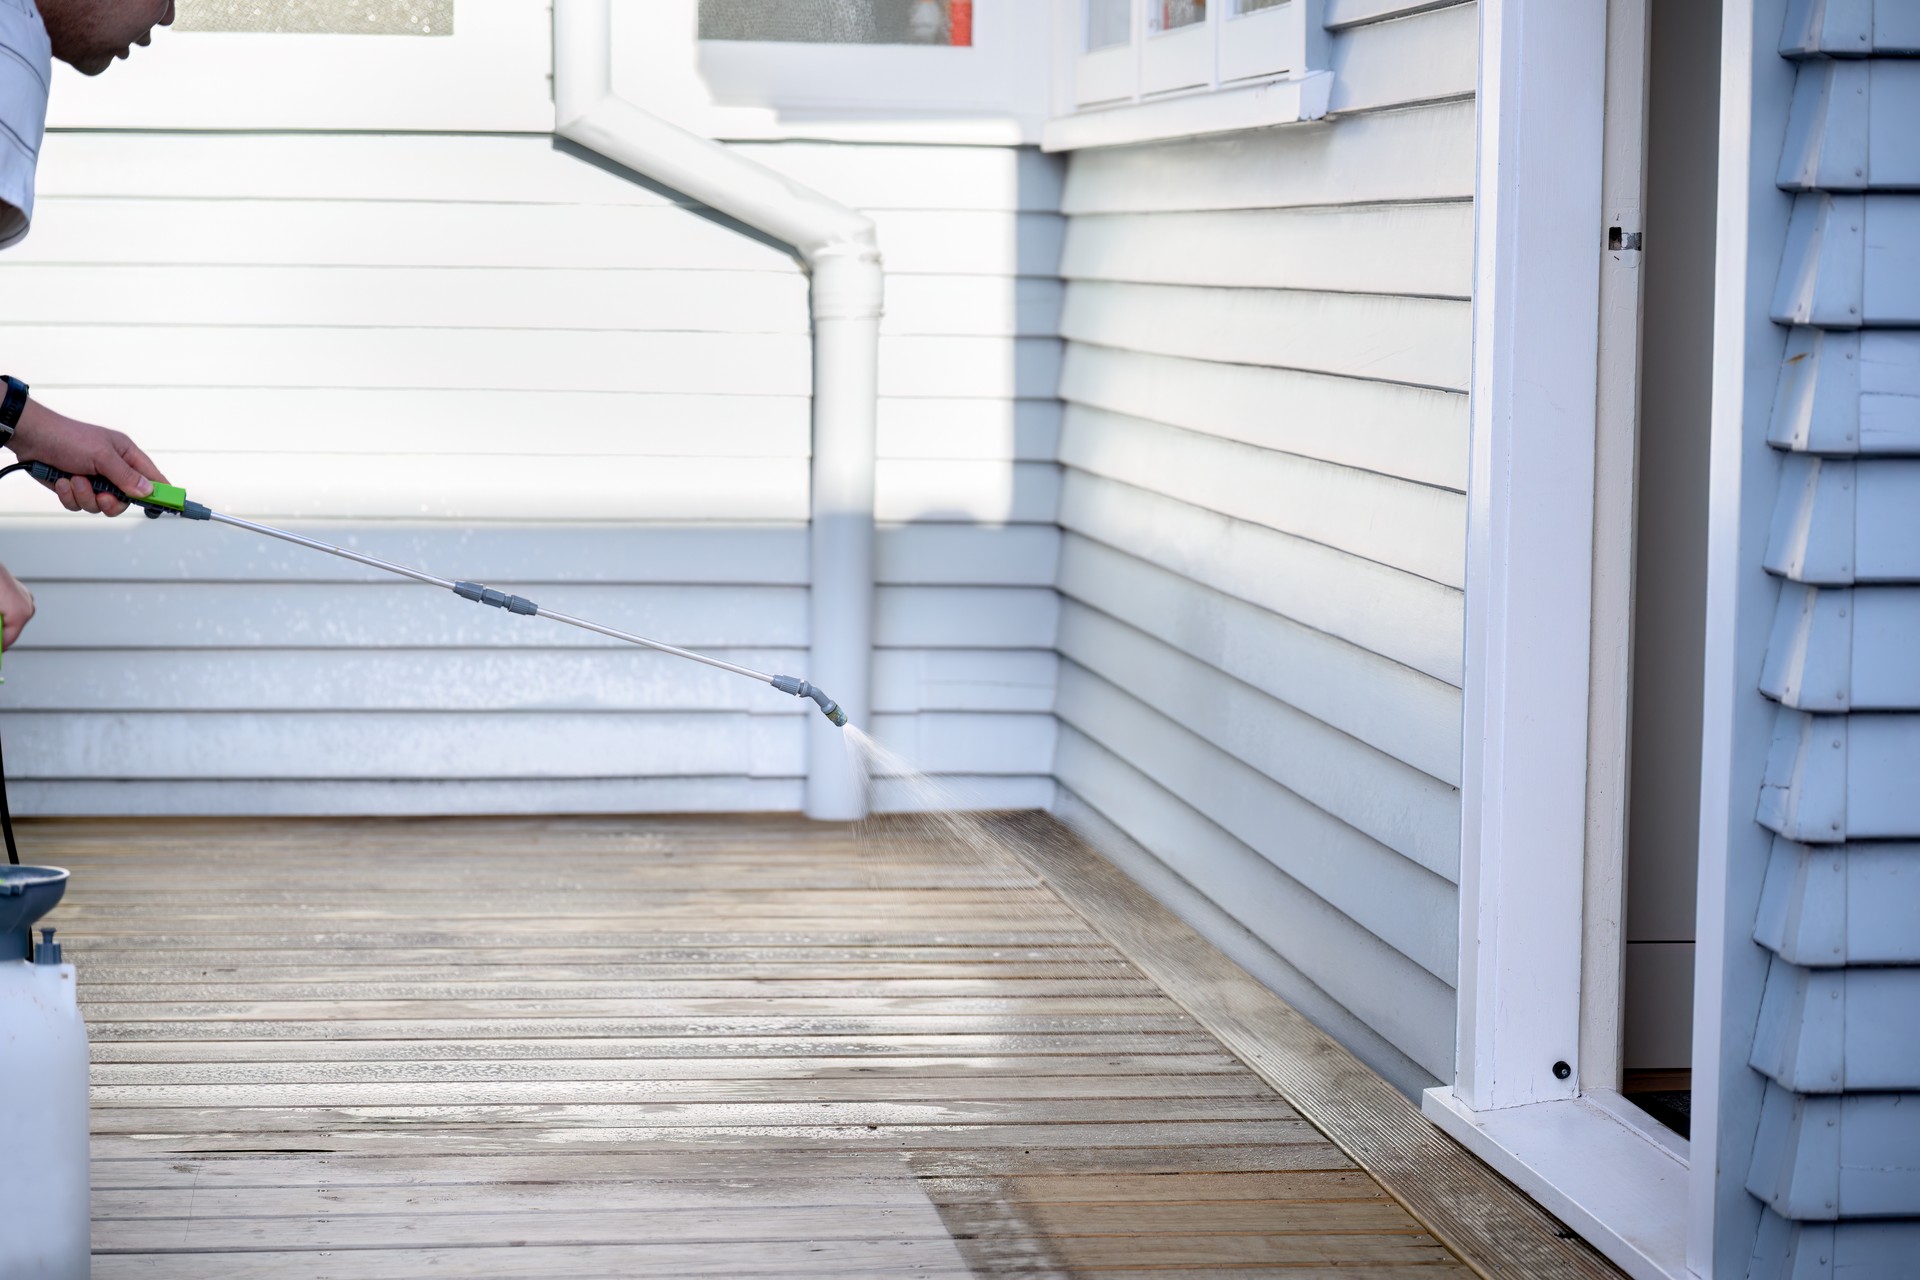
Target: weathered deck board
[
  {"x": 1503, "y": 1234},
  {"x": 875, "y": 1048},
  {"x": 1313, "y": 1186},
  {"x": 647, "y": 1071},
  {"x": 426, "y": 1135},
  {"x": 816, "y": 1086},
  {"x": 894, "y": 1167},
  {"x": 694, "y": 1047}
]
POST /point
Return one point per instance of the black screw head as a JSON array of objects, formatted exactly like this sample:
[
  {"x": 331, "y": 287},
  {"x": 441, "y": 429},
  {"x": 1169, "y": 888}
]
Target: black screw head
[{"x": 1561, "y": 1071}]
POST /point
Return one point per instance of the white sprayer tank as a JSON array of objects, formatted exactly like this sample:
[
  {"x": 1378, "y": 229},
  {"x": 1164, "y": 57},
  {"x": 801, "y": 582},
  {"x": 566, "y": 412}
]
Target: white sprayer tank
[{"x": 45, "y": 1213}]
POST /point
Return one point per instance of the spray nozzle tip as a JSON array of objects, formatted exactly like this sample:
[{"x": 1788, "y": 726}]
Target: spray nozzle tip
[{"x": 801, "y": 689}]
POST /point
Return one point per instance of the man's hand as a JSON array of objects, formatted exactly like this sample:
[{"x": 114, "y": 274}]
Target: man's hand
[
  {"x": 84, "y": 450},
  {"x": 16, "y": 605}
]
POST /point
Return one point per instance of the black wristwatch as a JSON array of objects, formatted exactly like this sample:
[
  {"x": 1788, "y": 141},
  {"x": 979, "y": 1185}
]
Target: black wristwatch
[{"x": 11, "y": 407}]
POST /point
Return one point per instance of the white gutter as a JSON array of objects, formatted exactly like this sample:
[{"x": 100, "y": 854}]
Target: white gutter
[{"x": 841, "y": 252}]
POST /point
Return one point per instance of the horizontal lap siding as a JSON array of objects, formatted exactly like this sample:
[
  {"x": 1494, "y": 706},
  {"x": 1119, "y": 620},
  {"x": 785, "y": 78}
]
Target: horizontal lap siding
[
  {"x": 1264, "y": 516},
  {"x": 503, "y": 362},
  {"x": 968, "y": 485}
]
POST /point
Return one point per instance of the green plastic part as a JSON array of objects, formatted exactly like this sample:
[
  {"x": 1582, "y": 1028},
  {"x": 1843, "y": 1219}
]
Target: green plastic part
[{"x": 170, "y": 496}]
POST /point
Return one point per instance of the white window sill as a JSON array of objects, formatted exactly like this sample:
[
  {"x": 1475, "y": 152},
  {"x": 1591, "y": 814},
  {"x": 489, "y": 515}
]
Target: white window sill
[
  {"x": 1598, "y": 1163},
  {"x": 811, "y": 123},
  {"x": 1193, "y": 115}
]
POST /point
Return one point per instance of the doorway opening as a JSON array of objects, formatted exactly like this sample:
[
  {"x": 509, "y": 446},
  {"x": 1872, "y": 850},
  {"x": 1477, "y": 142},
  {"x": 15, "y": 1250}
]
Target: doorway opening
[{"x": 1669, "y": 606}]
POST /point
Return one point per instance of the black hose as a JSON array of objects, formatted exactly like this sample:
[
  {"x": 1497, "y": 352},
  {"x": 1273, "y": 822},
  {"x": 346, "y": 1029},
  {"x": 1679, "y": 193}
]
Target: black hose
[{"x": 6, "y": 815}]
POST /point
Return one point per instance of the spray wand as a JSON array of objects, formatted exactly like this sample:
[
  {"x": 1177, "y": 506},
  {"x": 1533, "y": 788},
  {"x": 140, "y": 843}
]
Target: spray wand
[{"x": 167, "y": 499}]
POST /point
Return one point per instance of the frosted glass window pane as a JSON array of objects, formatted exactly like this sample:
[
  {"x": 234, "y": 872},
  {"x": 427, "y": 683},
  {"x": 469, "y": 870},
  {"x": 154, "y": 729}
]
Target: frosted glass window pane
[
  {"x": 1255, "y": 6},
  {"x": 1109, "y": 24},
  {"x": 317, "y": 17},
  {"x": 938, "y": 22},
  {"x": 1169, "y": 15}
]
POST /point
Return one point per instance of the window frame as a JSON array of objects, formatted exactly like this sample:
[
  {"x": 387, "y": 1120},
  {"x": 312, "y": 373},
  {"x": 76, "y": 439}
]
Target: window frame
[
  {"x": 1261, "y": 29},
  {"x": 1230, "y": 71},
  {"x": 1107, "y": 74},
  {"x": 1176, "y": 58}
]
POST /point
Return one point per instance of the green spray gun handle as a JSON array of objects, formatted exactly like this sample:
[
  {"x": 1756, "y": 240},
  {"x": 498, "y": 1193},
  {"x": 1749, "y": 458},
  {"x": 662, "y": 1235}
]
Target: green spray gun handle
[{"x": 164, "y": 498}]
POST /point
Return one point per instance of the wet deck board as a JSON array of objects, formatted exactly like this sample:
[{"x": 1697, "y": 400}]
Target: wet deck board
[{"x": 675, "y": 1047}]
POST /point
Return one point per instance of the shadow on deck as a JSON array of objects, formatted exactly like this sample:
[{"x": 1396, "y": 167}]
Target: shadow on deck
[{"x": 717, "y": 1047}]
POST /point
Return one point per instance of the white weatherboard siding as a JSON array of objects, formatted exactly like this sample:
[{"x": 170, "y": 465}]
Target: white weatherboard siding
[
  {"x": 500, "y": 360},
  {"x": 1264, "y": 511}
]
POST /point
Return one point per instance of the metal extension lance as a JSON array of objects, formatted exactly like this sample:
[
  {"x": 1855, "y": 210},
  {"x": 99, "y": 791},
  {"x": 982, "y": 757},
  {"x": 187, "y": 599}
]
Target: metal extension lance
[{"x": 169, "y": 499}]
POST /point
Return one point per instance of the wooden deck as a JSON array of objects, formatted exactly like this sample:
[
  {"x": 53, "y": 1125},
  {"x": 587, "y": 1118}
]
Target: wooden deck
[{"x": 696, "y": 1047}]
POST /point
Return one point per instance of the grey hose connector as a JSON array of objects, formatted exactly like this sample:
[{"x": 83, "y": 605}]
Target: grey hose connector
[
  {"x": 801, "y": 689},
  {"x": 498, "y": 599}
]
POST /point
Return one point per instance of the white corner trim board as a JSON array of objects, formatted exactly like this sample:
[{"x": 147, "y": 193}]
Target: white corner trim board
[
  {"x": 841, "y": 251},
  {"x": 1530, "y": 495},
  {"x": 1595, "y": 1162}
]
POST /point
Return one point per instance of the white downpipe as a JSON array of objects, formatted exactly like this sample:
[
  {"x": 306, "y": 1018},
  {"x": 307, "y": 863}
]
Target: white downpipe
[{"x": 841, "y": 251}]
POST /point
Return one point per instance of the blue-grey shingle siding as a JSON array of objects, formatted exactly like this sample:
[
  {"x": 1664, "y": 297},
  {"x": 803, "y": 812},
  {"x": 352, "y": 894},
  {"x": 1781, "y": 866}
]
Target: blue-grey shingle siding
[{"x": 1836, "y": 1161}]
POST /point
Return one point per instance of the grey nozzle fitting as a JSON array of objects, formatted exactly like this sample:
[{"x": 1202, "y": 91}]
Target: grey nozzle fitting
[
  {"x": 498, "y": 599},
  {"x": 801, "y": 689}
]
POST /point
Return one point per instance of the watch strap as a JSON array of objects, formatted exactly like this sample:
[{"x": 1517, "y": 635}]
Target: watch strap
[{"x": 12, "y": 405}]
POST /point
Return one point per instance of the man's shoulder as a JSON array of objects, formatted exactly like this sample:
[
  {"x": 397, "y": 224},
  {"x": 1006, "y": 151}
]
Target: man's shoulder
[
  {"x": 26, "y": 71},
  {"x": 24, "y": 36},
  {"x": 26, "y": 61}
]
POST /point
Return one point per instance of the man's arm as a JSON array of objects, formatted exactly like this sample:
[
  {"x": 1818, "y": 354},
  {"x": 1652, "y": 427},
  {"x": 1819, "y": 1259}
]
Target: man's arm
[{"x": 84, "y": 450}]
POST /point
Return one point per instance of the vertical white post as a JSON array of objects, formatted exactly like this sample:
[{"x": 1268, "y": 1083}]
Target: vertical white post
[
  {"x": 1537, "y": 245},
  {"x": 846, "y": 336}
]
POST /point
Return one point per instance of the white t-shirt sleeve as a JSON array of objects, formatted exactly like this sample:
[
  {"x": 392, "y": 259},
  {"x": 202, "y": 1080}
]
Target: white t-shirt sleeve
[{"x": 26, "y": 67}]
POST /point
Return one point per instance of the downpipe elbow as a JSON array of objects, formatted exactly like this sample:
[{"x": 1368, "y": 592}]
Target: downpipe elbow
[{"x": 849, "y": 279}]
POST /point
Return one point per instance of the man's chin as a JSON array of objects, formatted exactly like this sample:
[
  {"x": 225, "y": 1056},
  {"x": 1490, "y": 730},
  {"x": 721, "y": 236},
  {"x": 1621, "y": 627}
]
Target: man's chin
[{"x": 90, "y": 66}]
